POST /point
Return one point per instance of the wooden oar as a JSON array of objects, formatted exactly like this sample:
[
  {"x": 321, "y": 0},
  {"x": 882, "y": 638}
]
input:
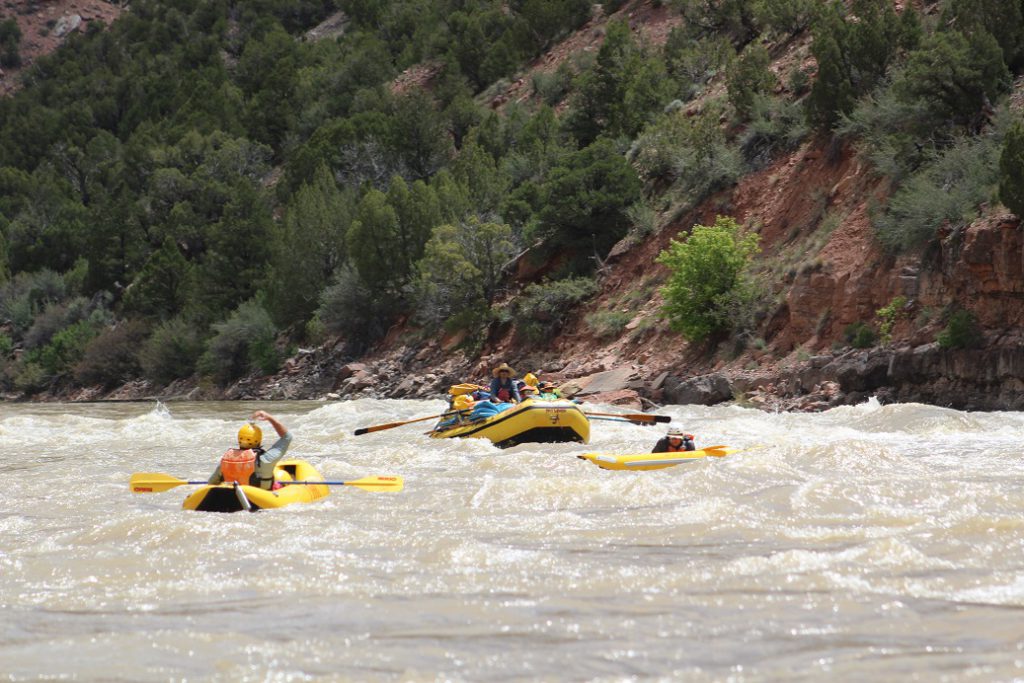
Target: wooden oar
[
  {"x": 392, "y": 425},
  {"x": 154, "y": 482},
  {"x": 635, "y": 417}
]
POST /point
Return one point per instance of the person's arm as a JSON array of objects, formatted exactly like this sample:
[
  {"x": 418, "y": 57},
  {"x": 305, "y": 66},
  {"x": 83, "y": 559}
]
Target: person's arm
[
  {"x": 661, "y": 446},
  {"x": 263, "y": 415},
  {"x": 515, "y": 392},
  {"x": 216, "y": 477}
]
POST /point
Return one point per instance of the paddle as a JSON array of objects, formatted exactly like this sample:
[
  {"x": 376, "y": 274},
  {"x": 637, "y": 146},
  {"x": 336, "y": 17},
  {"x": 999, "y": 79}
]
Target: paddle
[
  {"x": 155, "y": 482},
  {"x": 635, "y": 417},
  {"x": 392, "y": 425},
  {"x": 388, "y": 483}
]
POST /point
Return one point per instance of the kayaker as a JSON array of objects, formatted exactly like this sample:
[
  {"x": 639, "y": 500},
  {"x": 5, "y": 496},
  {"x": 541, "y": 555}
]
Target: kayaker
[
  {"x": 503, "y": 387},
  {"x": 249, "y": 464},
  {"x": 674, "y": 441}
]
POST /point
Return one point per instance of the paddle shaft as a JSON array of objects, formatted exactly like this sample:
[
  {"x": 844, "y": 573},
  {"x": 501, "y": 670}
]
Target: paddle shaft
[
  {"x": 392, "y": 425},
  {"x": 634, "y": 417}
]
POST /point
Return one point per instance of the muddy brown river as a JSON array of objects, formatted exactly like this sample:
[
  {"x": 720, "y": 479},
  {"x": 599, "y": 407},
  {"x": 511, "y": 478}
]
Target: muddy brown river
[{"x": 873, "y": 542}]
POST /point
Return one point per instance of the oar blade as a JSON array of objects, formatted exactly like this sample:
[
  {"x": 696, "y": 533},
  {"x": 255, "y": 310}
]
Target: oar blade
[
  {"x": 378, "y": 483},
  {"x": 153, "y": 482},
  {"x": 718, "y": 451}
]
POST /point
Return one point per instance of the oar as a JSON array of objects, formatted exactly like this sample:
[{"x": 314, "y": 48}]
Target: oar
[
  {"x": 611, "y": 419},
  {"x": 392, "y": 425},
  {"x": 153, "y": 482},
  {"x": 635, "y": 417},
  {"x": 389, "y": 483}
]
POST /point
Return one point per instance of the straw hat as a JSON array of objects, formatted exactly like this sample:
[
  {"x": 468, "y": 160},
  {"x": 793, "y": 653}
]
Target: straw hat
[{"x": 503, "y": 366}]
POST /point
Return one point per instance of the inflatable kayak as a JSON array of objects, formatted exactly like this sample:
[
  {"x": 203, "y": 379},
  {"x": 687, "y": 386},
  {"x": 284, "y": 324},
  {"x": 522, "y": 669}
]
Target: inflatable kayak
[
  {"x": 224, "y": 497},
  {"x": 653, "y": 461},
  {"x": 532, "y": 421}
]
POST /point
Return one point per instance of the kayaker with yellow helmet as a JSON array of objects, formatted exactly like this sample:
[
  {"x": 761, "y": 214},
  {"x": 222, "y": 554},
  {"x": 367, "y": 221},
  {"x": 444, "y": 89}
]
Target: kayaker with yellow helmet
[
  {"x": 674, "y": 441},
  {"x": 503, "y": 386},
  {"x": 250, "y": 464}
]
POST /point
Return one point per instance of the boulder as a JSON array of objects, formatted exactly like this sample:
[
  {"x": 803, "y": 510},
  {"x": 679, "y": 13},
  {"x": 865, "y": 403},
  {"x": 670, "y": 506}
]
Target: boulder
[
  {"x": 706, "y": 390},
  {"x": 350, "y": 369},
  {"x": 67, "y": 24}
]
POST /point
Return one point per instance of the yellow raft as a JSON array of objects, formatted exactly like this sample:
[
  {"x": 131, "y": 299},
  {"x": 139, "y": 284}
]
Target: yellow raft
[
  {"x": 653, "y": 461},
  {"x": 224, "y": 498},
  {"x": 532, "y": 421}
]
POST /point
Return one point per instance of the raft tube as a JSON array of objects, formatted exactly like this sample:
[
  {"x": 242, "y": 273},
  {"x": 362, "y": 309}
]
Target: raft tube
[
  {"x": 224, "y": 498},
  {"x": 532, "y": 421},
  {"x": 652, "y": 461}
]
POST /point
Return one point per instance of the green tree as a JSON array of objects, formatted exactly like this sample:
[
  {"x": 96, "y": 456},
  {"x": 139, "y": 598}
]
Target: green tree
[
  {"x": 10, "y": 38},
  {"x": 706, "y": 277},
  {"x": 309, "y": 245},
  {"x": 161, "y": 288},
  {"x": 618, "y": 95},
  {"x": 954, "y": 76},
  {"x": 749, "y": 78},
  {"x": 1001, "y": 18},
  {"x": 584, "y": 199},
  {"x": 1011, "y": 169},
  {"x": 373, "y": 243},
  {"x": 461, "y": 268}
]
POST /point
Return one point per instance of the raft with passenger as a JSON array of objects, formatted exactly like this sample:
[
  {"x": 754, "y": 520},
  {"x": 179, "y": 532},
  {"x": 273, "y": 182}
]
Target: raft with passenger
[
  {"x": 532, "y": 421},
  {"x": 224, "y": 497}
]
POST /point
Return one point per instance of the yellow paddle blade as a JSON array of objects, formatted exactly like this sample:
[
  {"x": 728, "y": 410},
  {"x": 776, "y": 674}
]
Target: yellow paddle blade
[
  {"x": 379, "y": 483},
  {"x": 153, "y": 482},
  {"x": 719, "y": 451}
]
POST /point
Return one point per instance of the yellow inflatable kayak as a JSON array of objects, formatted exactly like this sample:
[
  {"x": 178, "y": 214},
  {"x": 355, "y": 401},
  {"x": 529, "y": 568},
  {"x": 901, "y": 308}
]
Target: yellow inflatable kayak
[
  {"x": 532, "y": 421},
  {"x": 224, "y": 497},
  {"x": 653, "y": 461}
]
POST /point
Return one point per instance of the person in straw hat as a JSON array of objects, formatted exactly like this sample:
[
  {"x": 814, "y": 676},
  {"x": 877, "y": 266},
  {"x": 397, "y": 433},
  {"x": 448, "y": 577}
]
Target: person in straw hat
[{"x": 503, "y": 386}]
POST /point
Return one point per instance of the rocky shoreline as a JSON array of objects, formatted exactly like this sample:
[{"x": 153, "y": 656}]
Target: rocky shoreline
[{"x": 990, "y": 378}]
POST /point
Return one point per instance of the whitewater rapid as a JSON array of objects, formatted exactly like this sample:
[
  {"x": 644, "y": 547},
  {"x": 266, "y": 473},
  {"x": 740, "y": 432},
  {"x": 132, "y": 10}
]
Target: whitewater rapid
[{"x": 882, "y": 541}]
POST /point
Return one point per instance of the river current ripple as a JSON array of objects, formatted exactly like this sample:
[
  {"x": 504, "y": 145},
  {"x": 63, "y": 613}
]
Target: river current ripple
[{"x": 881, "y": 541}]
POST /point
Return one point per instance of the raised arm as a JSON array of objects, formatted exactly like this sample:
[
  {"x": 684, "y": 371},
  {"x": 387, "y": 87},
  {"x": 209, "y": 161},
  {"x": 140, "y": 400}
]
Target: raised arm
[{"x": 278, "y": 427}]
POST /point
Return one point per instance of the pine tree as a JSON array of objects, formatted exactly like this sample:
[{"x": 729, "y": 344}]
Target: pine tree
[{"x": 1011, "y": 170}]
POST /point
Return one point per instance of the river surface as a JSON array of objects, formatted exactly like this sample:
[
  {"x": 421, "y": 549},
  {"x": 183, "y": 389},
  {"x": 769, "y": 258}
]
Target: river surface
[{"x": 883, "y": 542}]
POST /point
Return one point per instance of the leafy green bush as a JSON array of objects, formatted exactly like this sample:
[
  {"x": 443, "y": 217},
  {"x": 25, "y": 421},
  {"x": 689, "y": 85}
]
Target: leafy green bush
[
  {"x": 65, "y": 348},
  {"x": 608, "y": 324},
  {"x": 543, "y": 308},
  {"x": 243, "y": 343},
  {"x": 552, "y": 86},
  {"x": 707, "y": 278},
  {"x": 962, "y": 332},
  {"x": 171, "y": 353},
  {"x": 860, "y": 335},
  {"x": 887, "y": 317}
]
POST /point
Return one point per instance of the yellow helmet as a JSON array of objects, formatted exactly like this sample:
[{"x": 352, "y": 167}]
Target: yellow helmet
[
  {"x": 462, "y": 402},
  {"x": 249, "y": 436}
]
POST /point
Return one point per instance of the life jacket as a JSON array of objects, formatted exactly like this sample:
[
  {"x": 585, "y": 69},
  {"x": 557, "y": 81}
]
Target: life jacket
[
  {"x": 685, "y": 444},
  {"x": 237, "y": 465},
  {"x": 240, "y": 465}
]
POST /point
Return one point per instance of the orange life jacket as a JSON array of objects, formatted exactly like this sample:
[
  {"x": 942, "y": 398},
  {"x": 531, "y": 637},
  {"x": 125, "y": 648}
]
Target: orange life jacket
[{"x": 238, "y": 465}]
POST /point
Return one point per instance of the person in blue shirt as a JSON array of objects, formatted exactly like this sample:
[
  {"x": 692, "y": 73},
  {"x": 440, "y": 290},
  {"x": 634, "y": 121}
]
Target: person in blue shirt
[{"x": 503, "y": 386}]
